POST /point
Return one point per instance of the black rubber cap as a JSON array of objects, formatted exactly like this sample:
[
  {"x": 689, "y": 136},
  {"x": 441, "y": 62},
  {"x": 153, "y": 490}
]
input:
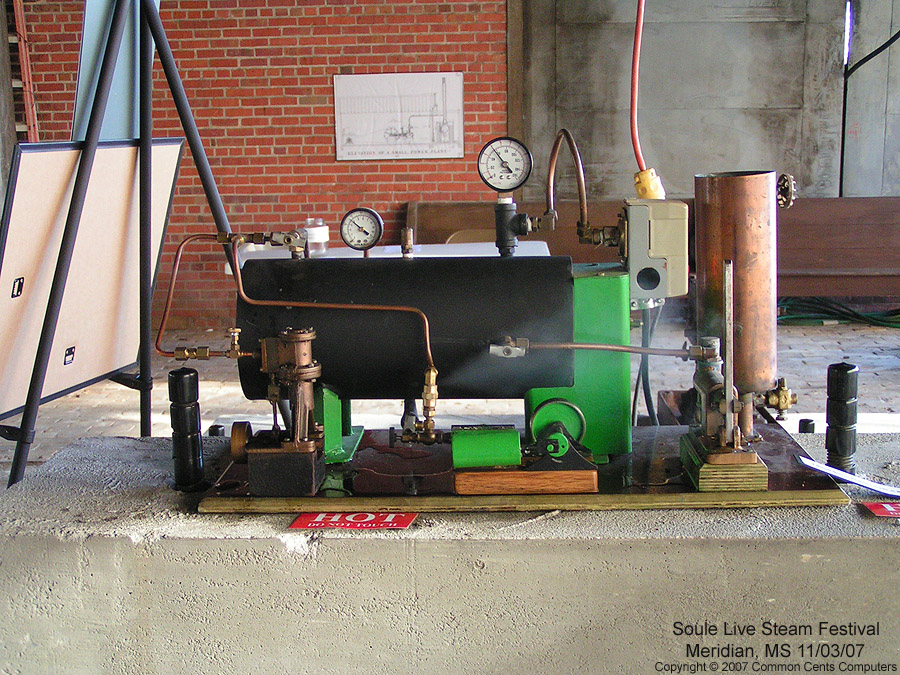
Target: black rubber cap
[
  {"x": 843, "y": 381},
  {"x": 184, "y": 385},
  {"x": 807, "y": 426}
]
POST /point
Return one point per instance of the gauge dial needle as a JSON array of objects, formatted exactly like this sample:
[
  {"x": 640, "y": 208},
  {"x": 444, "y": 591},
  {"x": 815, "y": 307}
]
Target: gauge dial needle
[
  {"x": 362, "y": 229},
  {"x": 503, "y": 162}
]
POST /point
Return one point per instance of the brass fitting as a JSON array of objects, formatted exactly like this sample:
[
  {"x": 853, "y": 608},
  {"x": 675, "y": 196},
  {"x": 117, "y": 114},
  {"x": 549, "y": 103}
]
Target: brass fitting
[
  {"x": 185, "y": 353},
  {"x": 430, "y": 394},
  {"x": 234, "y": 350},
  {"x": 780, "y": 398},
  {"x": 701, "y": 353},
  {"x": 429, "y": 405},
  {"x": 547, "y": 221},
  {"x": 598, "y": 236},
  {"x": 424, "y": 431},
  {"x": 407, "y": 241}
]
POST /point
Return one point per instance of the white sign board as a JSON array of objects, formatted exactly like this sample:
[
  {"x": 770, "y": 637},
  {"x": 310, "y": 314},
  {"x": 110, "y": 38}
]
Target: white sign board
[
  {"x": 98, "y": 332},
  {"x": 398, "y": 116}
]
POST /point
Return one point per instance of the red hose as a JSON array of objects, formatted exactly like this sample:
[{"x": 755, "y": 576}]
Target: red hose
[{"x": 635, "y": 63}]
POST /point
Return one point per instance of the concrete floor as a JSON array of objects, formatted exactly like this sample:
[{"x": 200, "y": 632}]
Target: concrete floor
[{"x": 804, "y": 352}]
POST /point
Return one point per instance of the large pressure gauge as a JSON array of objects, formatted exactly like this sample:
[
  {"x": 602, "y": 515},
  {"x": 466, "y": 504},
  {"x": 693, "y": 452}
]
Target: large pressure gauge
[
  {"x": 361, "y": 228},
  {"x": 504, "y": 164}
]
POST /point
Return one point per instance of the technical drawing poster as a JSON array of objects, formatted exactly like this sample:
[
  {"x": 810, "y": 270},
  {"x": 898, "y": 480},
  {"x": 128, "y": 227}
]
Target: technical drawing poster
[{"x": 398, "y": 116}]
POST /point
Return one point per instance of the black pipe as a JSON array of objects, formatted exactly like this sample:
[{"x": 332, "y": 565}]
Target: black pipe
[
  {"x": 843, "y": 137},
  {"x": 188, "y": 123},
  {"x": 67, "y": 246},
  {"x": 647, "y": 329},
  {"x": 187, "y": 442},
  {"x": 146, "y": 232},
  {"x": 848, "y": 71},
  {"x": 840, "y": 416},
  {"x": 504, "y": 216},
  {"x": 872, "y": 54}
]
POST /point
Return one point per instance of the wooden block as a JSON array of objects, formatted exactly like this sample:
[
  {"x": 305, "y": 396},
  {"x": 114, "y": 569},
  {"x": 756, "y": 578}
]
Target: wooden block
[
  {"x": 748, "y": 457},
  {"x": 518, "y": 482},
  {"x": 709, "y": 477}
]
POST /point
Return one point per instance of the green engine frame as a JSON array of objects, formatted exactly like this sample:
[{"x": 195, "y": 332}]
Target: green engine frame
[
  {"x": 602, "y": 379},
  {"x": 601, "y": 389}
]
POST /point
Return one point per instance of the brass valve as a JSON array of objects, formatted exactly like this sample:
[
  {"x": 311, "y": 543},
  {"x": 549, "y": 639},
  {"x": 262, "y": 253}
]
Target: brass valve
[
  {"x": 780, "y": 398},
  {"x": 424, "y": 431},
  {"x": 234, "y": 350}
]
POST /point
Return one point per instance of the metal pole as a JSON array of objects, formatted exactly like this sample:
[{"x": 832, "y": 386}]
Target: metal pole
[
  {"x": 728, "y": 302},
  {"x": 187, "y": 120},
  {"x": 73, "y": 219},
  {"x": 843, "y": 135},
  {"x": 145, "y": 373}
]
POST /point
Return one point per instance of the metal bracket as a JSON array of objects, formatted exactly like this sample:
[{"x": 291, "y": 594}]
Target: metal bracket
[
  {"x": 132, "y": 381},
  {"x": 15, "y": 434},
  {"x": 509, "y": 348}
]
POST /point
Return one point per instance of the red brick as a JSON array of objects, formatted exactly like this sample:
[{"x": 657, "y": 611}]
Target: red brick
[{"x": 259, "y": 77}]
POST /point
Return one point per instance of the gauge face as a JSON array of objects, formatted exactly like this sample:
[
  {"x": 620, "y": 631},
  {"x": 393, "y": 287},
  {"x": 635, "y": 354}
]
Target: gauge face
[
  {"x": 361, "y": 228},
  {"x": 504, "y": 164}
]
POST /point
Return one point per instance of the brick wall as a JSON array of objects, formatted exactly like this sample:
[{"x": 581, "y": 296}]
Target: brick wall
[{"x": 258, "y": 74}]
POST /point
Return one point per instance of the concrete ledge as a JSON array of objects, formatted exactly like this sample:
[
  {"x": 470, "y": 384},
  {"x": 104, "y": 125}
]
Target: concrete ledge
[{"x": 104, "y": 569}]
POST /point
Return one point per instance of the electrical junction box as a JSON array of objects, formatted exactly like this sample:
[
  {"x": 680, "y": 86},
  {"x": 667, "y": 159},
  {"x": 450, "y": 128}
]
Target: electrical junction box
[{"x": 656, "y": 249}]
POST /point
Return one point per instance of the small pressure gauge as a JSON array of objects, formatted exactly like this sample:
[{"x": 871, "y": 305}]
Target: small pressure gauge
[
  {"x": 504, "y": 164},
  {"x": 361, "y": 228}
]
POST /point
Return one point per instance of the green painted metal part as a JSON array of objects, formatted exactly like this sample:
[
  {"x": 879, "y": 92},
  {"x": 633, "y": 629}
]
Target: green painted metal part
[
  {"x": 563, "y": 444},
  {"x": 602, "y": 379},
  {"x": 341, "y": 440},
  {"x": 481, "y": 446}
]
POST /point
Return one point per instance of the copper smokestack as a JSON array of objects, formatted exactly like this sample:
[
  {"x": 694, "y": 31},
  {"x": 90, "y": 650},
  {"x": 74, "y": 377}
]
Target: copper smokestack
[{"x": 734, "y": 215}]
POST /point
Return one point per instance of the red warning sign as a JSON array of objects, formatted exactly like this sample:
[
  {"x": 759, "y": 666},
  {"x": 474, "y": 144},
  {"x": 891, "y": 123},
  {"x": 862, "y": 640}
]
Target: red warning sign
[
  {"x": 354, "y": 521},
  {"x": 884, "y": 509}
]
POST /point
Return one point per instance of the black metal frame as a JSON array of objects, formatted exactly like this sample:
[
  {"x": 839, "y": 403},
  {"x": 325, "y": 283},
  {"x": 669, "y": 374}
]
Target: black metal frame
[{"x": 152, "y": 32}]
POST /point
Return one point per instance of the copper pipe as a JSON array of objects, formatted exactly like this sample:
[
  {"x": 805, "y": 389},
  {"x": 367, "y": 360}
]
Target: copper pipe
[
  {"x": 165, "y": 316},
  {"x": 735, "y": 220},
  {"x": 331, "y": 305},
  {"x": 652, "y": 351},
  {"x": 579, "y": 174}
]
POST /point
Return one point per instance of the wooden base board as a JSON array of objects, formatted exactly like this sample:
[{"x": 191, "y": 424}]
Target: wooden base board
[
  {"x": 654, "y": 482},
  {"x": 519, "y": 482},
  {"x": 587, "y": 502}
]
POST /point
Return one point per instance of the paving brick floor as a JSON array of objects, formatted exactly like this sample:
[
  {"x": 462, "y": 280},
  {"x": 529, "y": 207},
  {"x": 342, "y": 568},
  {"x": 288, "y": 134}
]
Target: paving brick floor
[{"x": 108, "y": 409}]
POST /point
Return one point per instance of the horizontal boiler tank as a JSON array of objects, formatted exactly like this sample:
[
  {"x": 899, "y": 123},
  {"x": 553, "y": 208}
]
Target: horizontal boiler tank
[{"x": 469, "y": 302}]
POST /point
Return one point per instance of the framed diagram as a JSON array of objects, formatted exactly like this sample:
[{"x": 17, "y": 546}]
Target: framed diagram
[{"x": 398, "y": 116}]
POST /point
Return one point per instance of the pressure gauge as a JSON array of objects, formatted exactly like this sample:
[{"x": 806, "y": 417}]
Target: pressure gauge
[
  {"x": 504, "y": 164},
  {"x": 361, "y": 228}
]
